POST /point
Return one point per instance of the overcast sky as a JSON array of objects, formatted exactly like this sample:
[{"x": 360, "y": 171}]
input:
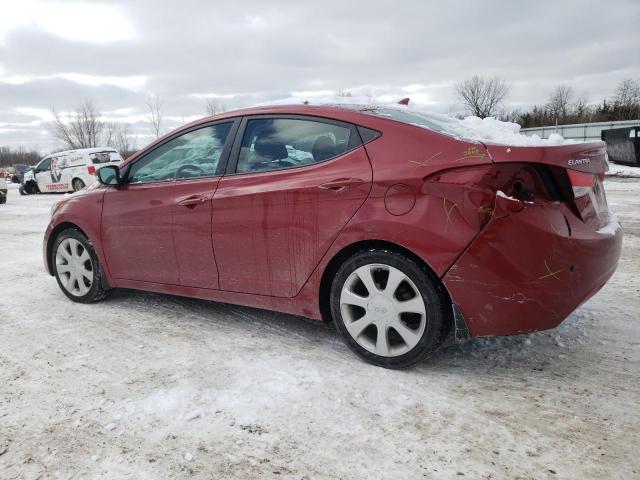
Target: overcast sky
[{"x": 59, "y": 53}]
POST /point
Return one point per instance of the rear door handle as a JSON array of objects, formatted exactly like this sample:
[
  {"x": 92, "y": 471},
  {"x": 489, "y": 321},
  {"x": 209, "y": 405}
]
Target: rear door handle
[
  {"x": 340, "y": 184},
  {"x": 192, "y": 201}
]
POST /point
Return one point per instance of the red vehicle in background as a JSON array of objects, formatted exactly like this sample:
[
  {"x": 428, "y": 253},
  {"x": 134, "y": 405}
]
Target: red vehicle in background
[
  {"x": 376, "y": 218},
  {"x": 3, "y": 187}
]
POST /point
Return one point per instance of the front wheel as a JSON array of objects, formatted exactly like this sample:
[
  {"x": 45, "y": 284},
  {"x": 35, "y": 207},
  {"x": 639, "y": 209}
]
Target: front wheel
[
  {"x": 76, "y": 268},
  {"x": 387, "y": 308}
]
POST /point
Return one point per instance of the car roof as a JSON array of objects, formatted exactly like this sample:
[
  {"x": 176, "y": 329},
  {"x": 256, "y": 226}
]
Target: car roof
[
  {"x": 345, "y": 112},
  {"x": 83, "y": 150}
]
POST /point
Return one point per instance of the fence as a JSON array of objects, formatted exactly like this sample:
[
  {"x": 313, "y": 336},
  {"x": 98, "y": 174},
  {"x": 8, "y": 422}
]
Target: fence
[{"x": 580, "y": 131}]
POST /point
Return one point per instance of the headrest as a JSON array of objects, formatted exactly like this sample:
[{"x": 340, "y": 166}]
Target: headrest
[
  {"x": 324, "y": 147},
  {"x": 270, "y": 148}
]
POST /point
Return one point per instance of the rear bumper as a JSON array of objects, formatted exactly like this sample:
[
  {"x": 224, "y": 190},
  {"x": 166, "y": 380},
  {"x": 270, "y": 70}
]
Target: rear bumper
[{"x": 527, "y": 271}]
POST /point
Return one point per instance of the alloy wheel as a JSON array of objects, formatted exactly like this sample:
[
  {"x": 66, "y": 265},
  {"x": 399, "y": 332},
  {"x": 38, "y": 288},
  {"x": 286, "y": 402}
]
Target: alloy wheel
[
  {"x": 74, "y": 267},
  {"x": 383, "y": 310}
]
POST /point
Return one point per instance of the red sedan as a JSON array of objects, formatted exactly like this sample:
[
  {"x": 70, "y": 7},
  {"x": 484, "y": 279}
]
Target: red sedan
[{"x": 404, "y": 235}]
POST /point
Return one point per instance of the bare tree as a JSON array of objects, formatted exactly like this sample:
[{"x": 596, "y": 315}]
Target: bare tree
[
  {"x": 560, "y": 102},
  {"x": 213, "y": 107},
  {"x": 626, "y": 100},
  {"x": 627, "y": 92},
  {"x": 122, "y": 139},
  {"x": 81, "y": 128},
  {"x": 154, "y": 104},
  {"x": 482, "y": 96}
]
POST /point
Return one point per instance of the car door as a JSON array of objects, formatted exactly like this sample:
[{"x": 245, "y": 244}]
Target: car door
[
  {"x": 196, "y": 183},
  {"x": 43, "y": 174},
  {"x": 293, "y": 183},
  {"x": 157, "y": 226}
]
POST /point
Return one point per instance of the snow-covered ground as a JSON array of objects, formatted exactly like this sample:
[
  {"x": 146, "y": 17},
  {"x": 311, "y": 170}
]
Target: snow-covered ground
[
  {"x": 623, "y": 171},
  {"x": 152, "y": 386}
]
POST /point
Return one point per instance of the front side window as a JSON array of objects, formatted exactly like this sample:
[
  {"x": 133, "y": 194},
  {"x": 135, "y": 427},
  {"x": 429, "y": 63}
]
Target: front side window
[
  {"x": 44, "y": 165},
  {"x": 276, "y": 143},
  {"x": 194, "y": 154}
]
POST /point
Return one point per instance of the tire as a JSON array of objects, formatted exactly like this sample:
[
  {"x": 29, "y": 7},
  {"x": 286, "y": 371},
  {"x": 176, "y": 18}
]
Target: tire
[
  {"x": 410, "y": 310},
  {"x": 29, "y": 189},
  {"x": 3, "y": 198},
  {"x": 76, "y": 268},
  {"x": 77, "y": 184}
]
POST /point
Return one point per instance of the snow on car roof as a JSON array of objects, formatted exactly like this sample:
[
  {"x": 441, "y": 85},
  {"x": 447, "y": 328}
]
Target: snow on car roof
[{"x": 488, "y": 130}]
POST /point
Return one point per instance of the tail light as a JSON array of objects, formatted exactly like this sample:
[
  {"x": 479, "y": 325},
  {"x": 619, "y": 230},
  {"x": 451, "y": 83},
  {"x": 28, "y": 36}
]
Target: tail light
[
  {"x": 91, "y": 169},
  {"x": 581, "y": 183},
  {"x": 588, "y": 196},
  {"x": 1, "y": 174}
]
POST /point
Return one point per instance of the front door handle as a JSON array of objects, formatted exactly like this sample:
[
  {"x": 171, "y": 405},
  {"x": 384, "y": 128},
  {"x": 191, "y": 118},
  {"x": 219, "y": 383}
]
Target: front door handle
[
  {"x": 192, "y": 201},
  {"x": 340, "y": 184}
]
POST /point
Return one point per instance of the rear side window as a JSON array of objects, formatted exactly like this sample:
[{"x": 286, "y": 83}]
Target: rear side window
[
  {"x": 276, "y": 143},
  {"x": 105, "y": 157}
]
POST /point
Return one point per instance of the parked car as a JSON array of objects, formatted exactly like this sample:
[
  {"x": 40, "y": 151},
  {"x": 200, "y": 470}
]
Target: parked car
[
  {"x": 623, "y": 145},
  {"x": 19, "y": 170},
  {"x": 404, "y": 235},
  {"x": 68, "y": 171},
  {"x": 3, "y": 188}
]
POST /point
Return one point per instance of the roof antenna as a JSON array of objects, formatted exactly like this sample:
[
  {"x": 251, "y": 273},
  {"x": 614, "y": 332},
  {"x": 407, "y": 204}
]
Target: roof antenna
[{"x": 404, "y": 101}]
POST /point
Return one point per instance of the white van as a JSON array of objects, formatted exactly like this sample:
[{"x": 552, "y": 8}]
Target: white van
[{"x": 68, "y": 171}]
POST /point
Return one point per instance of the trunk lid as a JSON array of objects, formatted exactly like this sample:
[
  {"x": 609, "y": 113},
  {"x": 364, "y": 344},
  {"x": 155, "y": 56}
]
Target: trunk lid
[
  {"x": 575, "y": 172},
  {"x": 583, "y": 157}
]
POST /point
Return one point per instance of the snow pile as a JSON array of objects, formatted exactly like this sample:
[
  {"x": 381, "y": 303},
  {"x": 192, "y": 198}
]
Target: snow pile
[
  {"x": 612, "y": 227},
  {"x": 492, "y": 130},
  {"x": 624, "y": 171}
]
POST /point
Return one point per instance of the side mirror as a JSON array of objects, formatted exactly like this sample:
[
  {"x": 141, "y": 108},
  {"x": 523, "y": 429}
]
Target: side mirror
[{"x": 109, "y": 175}]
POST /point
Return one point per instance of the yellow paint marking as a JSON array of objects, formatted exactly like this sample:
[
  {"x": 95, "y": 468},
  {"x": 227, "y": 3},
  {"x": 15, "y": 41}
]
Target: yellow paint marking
[
  {"x": 447, "y": 211},
  {"x": 467, "y": 157},
  {"x": 550, "y": 273},
  {"x": 471, "y": 152},
  {"x": 426, "y": 162}
]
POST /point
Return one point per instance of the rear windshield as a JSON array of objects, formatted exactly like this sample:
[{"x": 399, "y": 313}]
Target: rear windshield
[
  {"x": 105, "y": 157},
  {"x": 438, "y": 123}
]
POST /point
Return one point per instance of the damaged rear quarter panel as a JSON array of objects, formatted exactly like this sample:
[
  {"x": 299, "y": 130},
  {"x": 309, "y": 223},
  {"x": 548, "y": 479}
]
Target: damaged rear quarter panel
[{"x": 528, "y": 270}]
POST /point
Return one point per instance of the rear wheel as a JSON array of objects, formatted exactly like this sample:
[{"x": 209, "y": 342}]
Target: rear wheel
[
  {"x": 77, "y": 184},
  {"x": 387, "y": 308},
  {"x": 76, "y": 268}
]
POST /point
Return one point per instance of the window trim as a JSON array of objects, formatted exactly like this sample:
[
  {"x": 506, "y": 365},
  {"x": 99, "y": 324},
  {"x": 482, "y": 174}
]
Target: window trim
[
  {"x": 234, "y": 157},
  {"x": 222, "y": 162}
]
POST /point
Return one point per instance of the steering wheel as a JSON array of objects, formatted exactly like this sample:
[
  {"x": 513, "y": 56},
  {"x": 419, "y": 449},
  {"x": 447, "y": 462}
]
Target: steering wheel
[{"x": 198, "y": 170}]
